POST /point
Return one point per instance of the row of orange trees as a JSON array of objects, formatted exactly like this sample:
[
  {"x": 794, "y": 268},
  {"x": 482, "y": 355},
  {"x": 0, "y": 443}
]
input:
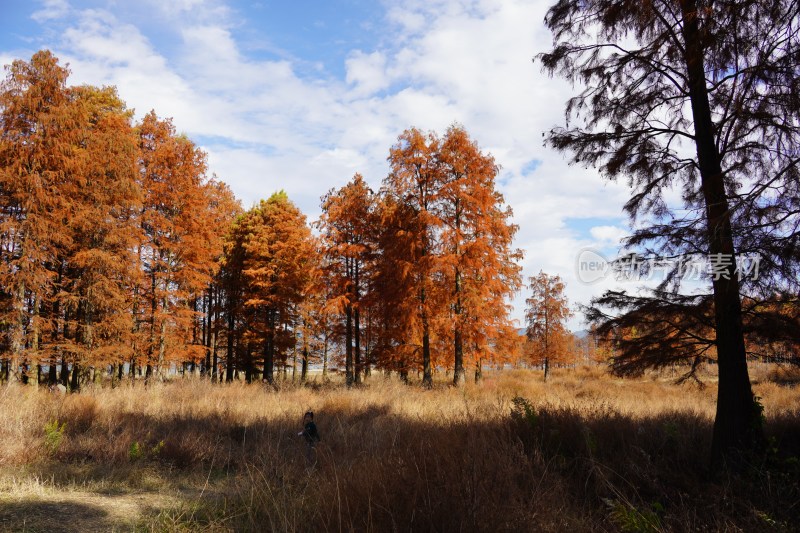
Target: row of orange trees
[
  {"x": 414, "y": 276},
  {"x": 118, "y": 252}
]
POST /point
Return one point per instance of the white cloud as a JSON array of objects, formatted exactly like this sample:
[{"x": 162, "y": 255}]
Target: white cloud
[
  {"x": 609, "y": 235},
  {"x": 367, "y": 72},
  {"x": 51, "y": 9}
]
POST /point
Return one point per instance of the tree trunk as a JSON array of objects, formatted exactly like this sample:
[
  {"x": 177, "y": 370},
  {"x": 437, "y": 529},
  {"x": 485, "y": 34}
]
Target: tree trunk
[
  {"x": 36, "y": 337},
  {"x": 357, "y": 319},
  {"x": 427, "y": 373},
  {"x": 52, "y": 373},
  {"x": 737, "y": 426},
  {"x": 304, "y": 368},
  {"x": 162, "y": 345},
  {"x": 348, "y": 348},
  {"x": 325, "y": 356},
  {"x": 459, "y": 376},
  {"x": 17, "y": 335},
  {"x": 75, "y": 384},
  {"x": 229, "y": 348},
  {"x": 269, "y": 354},
  {"x": 214, "y": 357},
  {"x": 64, "y": 371}
]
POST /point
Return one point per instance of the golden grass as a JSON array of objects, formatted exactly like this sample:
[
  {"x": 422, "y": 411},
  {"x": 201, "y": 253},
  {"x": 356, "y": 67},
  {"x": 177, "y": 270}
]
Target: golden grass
[{"x": 583, "y": 451}]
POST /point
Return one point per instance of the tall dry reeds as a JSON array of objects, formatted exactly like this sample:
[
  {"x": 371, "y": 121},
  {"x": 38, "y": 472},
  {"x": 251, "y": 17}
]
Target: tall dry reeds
[{"x": 583, "y": 451}]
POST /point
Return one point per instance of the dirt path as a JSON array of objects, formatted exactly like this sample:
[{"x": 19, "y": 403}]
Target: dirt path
[{"x": 77, "y": 511}]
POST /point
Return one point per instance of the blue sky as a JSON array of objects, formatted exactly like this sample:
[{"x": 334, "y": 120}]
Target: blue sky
[{"x": 301, "y": 95}]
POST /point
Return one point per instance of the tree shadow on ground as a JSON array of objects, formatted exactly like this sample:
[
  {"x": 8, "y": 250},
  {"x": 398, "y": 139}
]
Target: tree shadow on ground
[
  {"x": 34, "y": 515},
  {"x": 537, "y": 467}
]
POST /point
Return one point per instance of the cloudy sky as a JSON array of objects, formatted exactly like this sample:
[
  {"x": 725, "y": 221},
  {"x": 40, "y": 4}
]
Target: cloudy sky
[{"x": 300, "y": 95}]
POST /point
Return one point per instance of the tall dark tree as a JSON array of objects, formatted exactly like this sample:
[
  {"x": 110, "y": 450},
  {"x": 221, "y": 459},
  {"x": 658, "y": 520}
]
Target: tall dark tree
[{"x": 700, "y": 96}]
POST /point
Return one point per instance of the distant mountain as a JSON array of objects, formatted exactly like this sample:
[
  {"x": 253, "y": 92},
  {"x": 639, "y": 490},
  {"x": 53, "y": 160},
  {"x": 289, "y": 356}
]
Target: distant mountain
[{"x": 580, "y": 334}]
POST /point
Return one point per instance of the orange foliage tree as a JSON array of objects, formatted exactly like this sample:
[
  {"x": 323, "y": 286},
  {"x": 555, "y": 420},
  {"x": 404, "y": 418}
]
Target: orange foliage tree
[
  {"x": 477, "y": 258},
  {"x": 37, "y": 145},
  {"x": 446, "y": 263},
  {"x": 347, "y": 225},
  {"x": 271, "y": 262},
  {"x": 109, "y": 234},
  {"x": 177, "y": 253},
  {"x": 414, "y": 183},
  {"x": 547, "y": 310}
]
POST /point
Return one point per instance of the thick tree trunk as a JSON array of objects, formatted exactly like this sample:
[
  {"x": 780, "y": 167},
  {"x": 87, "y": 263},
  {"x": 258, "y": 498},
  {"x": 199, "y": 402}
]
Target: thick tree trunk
[
  {"x": 36, "y": 337},
  {"x": 162, "y": 345},
  {"x": 64, "y": 371},
  {"x": 737, "y": 426},
  {"x": 269, "y": 355},
  {"x": 459, "y": 376},
  {"x": 304, "y": 369},
  {"x": 230, "y": 347},
  {"x": 357, "y": 332},
  {"x": 75, "y": 384},
  {"x": 427, "y": 372},
  {"x": 214, "y": 357},
  {"x": 325, "y": 356},
  {"x": 348, "y": 348},
  {"x": 357, "y": 346},
  {"x": 17, "y": 335}
]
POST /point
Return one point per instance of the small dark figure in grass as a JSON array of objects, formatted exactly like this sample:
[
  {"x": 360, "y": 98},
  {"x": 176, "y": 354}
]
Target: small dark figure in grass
[{"x": 311, "y": 436}]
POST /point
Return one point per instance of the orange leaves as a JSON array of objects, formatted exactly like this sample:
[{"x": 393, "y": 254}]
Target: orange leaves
[
  {"x": 270, "y": 263},
  {"x": 109, "y": 232},
  {"x": 549, "y": 340},
  {"x": 446, "y": 258}
]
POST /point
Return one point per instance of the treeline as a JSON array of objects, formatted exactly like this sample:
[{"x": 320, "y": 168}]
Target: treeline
[
  {"x": 119, "y": 254},
  {"x": 412, "y": 277}
]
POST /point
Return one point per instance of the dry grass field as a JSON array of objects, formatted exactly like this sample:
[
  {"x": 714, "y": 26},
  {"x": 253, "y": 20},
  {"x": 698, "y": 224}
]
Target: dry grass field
[{"x": 582, "y": 452}]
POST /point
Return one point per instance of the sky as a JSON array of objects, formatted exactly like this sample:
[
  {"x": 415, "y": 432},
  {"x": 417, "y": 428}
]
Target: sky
[{"x": 300, "y": 95}]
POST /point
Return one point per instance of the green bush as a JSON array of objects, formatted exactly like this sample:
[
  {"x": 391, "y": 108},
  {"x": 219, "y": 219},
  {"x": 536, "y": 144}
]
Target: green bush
[
  {"x": 53, "y": 435},
  {"x": 135, "y": 451}
]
